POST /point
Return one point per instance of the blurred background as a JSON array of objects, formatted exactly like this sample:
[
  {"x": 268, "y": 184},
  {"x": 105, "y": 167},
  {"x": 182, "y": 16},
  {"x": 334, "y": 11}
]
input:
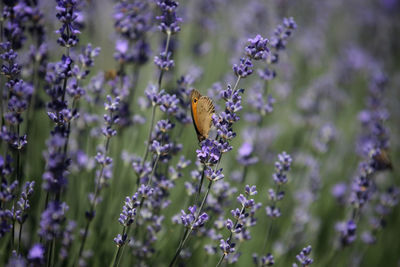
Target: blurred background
[{"x": 337, "y": 53}]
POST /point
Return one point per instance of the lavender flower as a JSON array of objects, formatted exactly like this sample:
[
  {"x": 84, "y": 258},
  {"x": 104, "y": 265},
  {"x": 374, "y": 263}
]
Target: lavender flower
[
  {"x": 209, "y": 153},
  {"x": 192, "y": 220},
  {"x": 67, "y": 15},
  {"x": 6, "y": 217},
  {"x": 23, "y": 202},
  {"x": 14, "y": 25},
  {"x": 36, "y": 254},
  {"x": 159, "y": 149},
  {"x": 67, "y": 240},
  {"x": 347, "y": 232},
  {"x": 213, "y": 175},
  {"x": 263, "y": 261},
  {"x": 18, "y": 95},
  {"x": 163, "y": 61},
  {"x": 282, "y": 33},
  {"x": 227, "y": 247},
  {"x": 169, "y": 104},
  {"x": 128, "y": 213},
  {"x": 278, "y": 42},
  {"x": 154, "y": 95},
  {"x": 258, "y": 48},
  {"x": 7, "y": 192},
  {"x": 244, "y": 68},
  {"x": 303, "y": 257},
  {"x": 238, "y": 229},
  {"x": 53, "y": 220},
  {"x": 245, "y": 155},
  {"x": 132, "y": 19},
  {"x": 168, "y": 19},
  {"x": 280, "y": 178}
]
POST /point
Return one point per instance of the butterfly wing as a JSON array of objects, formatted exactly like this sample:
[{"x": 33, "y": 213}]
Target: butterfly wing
[
  {"x": 194, "y": 98},
  {"x": 382, "y": 161},
  {"x": 205, "y": 110}
]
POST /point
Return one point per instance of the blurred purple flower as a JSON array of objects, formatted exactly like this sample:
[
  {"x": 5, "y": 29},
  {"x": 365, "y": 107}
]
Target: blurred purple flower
[
  {"x": 303, "y": 257},
  {"x": 36, "y": 254},
  {"x": 52, "y": 221},
  {"x": 168, "y": 19},
  {"x": 67, "y": 15}
]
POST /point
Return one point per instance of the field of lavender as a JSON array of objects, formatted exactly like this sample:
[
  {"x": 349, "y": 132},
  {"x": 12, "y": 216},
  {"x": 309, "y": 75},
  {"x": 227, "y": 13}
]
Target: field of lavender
[{"x": 100, "y": 163}]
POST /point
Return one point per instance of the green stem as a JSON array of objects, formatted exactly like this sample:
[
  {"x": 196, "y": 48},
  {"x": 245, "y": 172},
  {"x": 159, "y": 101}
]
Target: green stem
[
  {"x": 268, "y": 234},
  {"x": 236, "y": 84},
  {"x": 200, "y": 185},
  {"x": 153, "y": 113},
  {"x": 50, "y": 253},
  {"x": 13, "y": 233},
  {"x": 245, "y": 169},
  {"x": 84, "y": 238},
  {"x": 269, "y": 231},
  {"x": 93, "y": 203},
  {"x": 141, "y": 203},
  {"x": 19, "y": 238},
  {"x": 190, "y": 229},
  {"x": 117, "y": 256},
  {"x": 220, "y": 260}
]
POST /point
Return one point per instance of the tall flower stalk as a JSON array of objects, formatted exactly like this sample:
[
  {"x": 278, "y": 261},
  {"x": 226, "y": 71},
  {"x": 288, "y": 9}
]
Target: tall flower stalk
[
  {"x": 241, "y": 218},
  {"x": 282, "y": 166},
  {"x": 168, "y": 25},
  {"x": 22, "y": 208},
  {"x": 105, "y": 163}
]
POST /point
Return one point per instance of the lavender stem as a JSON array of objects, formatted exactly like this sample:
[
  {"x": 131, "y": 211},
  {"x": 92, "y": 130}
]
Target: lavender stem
[
  {"x": 154, "y": 111},
  {"x": 190, "y": 229},
  {"x": 19, "y": 238},
  {"x": 200, "y": 185}
]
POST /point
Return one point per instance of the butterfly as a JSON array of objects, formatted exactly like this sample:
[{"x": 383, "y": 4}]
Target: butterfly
[
  {"x": 202, "y": 109},
  {"x": 382, "y": 160},
  {"x": 110, "y": 75}
]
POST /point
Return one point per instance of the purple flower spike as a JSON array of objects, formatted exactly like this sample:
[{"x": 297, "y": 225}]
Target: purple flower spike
[
  {"x": 347, "y": 232},
  {"x": 168, "y": 19},
  {"x": 36, "y": 254},
  {"x": 128, "y": 213},
  {"x": 67, "y": 15},
  {"x": 52, "y": 221},
  {"x": 244, "y": 68},
  {"x": 257, "y": 49},
  {"x": 163, "y": 61},
  {"x": 227, "y": 247},
  {"x": 303, "y": 257}
]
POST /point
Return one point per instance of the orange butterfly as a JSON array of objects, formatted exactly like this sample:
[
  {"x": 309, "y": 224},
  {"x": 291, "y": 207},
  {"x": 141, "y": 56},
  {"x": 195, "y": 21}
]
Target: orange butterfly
[{"x": 202, "y": 109}]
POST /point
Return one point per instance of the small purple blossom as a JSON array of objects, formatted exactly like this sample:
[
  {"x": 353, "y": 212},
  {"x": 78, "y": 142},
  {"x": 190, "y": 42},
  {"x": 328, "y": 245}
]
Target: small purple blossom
[
  {"x": 258, "y": 48},
  {"x": 23, "y": 203},
  {"x": 347, "y": 231},
  {"x": 36, "y": 254},
  {"x": 213, "y": 175},
  {"x": 303, "y": 257},
  {"x": 227, "y": 247},
  {"x": 67, "y": 15},
  {"x": 128, "y": 213},
  {"x": 169, "y": 104},
  {"x": 193, "y": 220},
  {"x": 164, "y": 61},
  {"x": 168, "y": 18},
  {"x": 52, "y": 221},
  {"x": 245, "y": 155},
  {"x": 209, "y": 153},
  {"x": 244, "y": 68}
]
